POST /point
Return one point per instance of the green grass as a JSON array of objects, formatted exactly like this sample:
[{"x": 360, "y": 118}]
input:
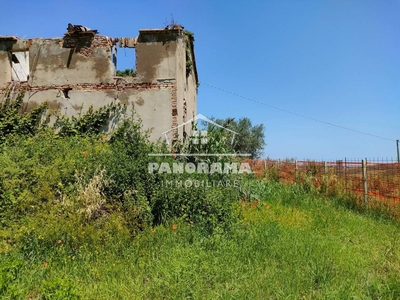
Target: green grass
[
  {"x": 78, "y": 216},
  {"x": 288, "y": 245}
]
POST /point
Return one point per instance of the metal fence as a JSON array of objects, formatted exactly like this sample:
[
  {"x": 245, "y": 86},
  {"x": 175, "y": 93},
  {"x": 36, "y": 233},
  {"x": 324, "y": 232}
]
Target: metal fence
[{"x": 371, "y": 182}]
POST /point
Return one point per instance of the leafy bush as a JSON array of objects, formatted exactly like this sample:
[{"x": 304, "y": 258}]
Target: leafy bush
[
  {"x": 159, "y": 197},
  {"x": 59, "y": 288},
  {"x": 207, "y": 204},
  {"x": 38, "y": 171},
  {"x": 13, "y": 121},
  {"x": 68, "y": 187}
]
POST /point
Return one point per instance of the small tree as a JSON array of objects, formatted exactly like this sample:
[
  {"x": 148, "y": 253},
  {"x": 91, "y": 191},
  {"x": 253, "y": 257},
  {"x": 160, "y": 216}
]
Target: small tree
[{"x": 249, "y": 138}]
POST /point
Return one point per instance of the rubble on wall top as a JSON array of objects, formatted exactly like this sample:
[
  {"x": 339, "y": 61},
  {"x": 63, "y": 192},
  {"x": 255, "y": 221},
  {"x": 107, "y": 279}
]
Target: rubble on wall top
[
  {"x": 174, "y": 26},
  {"x": 79, "y": 29}
]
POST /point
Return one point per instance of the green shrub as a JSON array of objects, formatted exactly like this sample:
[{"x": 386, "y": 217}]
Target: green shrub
[
  {"x": 14, "y": 122},
  {"x": 56, "y": 181},
  {"x": 210, "y": 206},
  {"x": 58, "y": 288},
  {"x": 39, "y": 171}
]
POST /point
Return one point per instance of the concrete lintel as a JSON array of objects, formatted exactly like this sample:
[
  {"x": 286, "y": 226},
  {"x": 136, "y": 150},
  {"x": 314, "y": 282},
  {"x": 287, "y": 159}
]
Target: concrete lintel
[
  {"x": 166, "y": 80},
  {"x": 126, "y": 42}
]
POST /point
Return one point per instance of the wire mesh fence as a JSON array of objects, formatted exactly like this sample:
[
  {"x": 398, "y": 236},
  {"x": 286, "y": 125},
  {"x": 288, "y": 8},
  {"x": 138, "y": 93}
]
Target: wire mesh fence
[{"x": 373, "y": 183}]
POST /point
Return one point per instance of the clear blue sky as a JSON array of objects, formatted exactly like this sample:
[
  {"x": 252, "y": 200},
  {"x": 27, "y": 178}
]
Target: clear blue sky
[{"x": 335, "y": 61}]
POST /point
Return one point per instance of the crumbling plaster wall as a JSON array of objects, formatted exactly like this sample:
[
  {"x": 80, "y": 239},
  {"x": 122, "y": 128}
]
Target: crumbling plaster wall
[
  {"x": 151, "y": 103},
  {"x": 73, "y": 73},
  {"x": 86, "y": 59},
  {"x": 5, "y": 69},
  {"x": 156, "y": 55}
]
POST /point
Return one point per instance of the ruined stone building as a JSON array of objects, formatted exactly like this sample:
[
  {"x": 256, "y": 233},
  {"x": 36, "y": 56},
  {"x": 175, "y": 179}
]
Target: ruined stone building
[{"x": 78, "y": 70}]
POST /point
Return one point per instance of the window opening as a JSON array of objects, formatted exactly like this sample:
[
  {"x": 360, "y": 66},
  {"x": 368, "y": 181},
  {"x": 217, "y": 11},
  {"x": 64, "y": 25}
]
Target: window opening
[
  {"x": 126, "y": 62},
  {"x": 20, "y": 66},
  {"x": 65, "y": 92}
]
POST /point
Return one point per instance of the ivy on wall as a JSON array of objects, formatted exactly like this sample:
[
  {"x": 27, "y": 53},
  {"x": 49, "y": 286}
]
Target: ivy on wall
[
  {"x": 14, "y": 121},
  {"x": 189, "y": 61}
]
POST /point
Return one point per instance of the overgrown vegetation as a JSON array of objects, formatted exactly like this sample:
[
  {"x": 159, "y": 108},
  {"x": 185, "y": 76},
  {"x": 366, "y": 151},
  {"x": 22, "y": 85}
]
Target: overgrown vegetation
[
  {"x": 126, "y": 72},
  {"x": 58, "y": 167},
  {"x": 189, "y": 37},
  {"x": 82, "y": 217},
  {"x": 13, "y": 122},
  {"x": 288, "y": 244}
]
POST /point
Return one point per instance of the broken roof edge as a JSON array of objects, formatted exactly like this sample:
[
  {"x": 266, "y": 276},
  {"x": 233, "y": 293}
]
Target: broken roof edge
[
  {"x": 91, "y": 32},
  {"x": 9, "y": 38},
  {"x": 160, "y": 30}
]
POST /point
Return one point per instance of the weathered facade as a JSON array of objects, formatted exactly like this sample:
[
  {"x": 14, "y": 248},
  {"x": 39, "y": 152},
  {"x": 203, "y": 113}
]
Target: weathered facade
[{"x": 78, "y": 70}]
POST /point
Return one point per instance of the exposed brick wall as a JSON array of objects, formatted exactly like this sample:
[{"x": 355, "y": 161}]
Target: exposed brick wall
[
  {"x": 174, "y": 106},
  {"x": 93, "y": 87},
  {"x": 86, "y": 44}
]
